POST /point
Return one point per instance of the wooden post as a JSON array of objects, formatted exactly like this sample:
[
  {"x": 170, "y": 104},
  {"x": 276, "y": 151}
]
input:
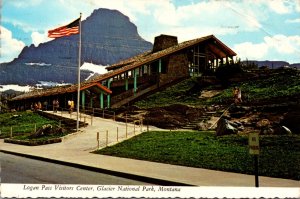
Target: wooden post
[
  {"x": 101, "y": 100},
  {"x": 117, "y": 134},
  {"x": 34, "y": 127},
  {"x": 126, "y": 124},
  {"x": 134, "y": 81},
  {"x": 159, "y": 66},
  {"x": 59, "y": 123},
  {"x": 256, "y": 170},
  {"x": 91, "y": 102},
  {"x": 98, "y": 145},
  {"x": 83, "y": 99},
  {"x": 106, "y": 138},
  {"x": 147, "y": 126},
  {"x": 126, "y": 84},
  {"x": 108, "y": 95}
]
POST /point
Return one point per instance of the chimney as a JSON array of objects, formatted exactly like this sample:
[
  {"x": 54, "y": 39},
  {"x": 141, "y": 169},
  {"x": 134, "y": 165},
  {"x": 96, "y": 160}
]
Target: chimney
[{"x": 164, "y": 41}]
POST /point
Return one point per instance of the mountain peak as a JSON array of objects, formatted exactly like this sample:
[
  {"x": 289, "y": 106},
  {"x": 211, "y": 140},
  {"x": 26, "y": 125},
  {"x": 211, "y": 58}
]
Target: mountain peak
[{"x": 108, "y": 36}]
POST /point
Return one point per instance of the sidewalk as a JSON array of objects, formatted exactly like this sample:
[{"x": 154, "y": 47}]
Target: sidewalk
[{"x": 75, "y": 151}]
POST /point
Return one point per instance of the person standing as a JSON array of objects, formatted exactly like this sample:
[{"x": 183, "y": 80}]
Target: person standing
[
  {"x": 57, "y": 104},
  {"x": 239, "y": 95},
  {"x": 235, "y": 95},
  {"x": 39, "y": 105},
  {"x": 45, "y": 105},
  {"x": 69, "y": 106},
  {"x": 54, "y": 105}
]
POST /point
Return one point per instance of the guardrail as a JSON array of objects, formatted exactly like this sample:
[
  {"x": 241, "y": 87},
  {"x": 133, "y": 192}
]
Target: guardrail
[{"x": 124, "y": 131}]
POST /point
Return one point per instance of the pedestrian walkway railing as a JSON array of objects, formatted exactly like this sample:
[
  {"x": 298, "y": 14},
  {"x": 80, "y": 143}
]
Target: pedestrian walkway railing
[
  {"x": 121, "y": 132},
  {"x": 129, "y": 128}
]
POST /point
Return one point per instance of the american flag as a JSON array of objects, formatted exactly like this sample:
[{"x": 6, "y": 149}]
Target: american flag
[{"x": 70, "y": 29}]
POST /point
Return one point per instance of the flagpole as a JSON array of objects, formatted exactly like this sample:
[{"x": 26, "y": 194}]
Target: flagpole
[{"x": 78, "y": 73}]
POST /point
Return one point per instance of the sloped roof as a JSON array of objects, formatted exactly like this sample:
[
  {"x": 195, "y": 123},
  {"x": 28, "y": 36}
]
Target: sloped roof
[
  {"x": 128, "y": 61},
  {"x": 144, "y": 58},
  {"x": 130, "y": 64},
  {"x": 60, "y": 90}
]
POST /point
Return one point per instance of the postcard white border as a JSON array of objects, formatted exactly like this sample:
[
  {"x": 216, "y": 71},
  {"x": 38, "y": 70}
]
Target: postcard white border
[{"x": 104, "y": 191}]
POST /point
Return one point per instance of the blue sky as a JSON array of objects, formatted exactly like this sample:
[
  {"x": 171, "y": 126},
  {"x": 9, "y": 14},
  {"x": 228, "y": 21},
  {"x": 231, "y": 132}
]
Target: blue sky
[{"x": 256, "y": 29}]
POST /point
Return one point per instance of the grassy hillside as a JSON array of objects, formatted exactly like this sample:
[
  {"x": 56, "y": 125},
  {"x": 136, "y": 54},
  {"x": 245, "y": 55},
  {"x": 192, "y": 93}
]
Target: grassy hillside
[{"x": 277, "y": 87}]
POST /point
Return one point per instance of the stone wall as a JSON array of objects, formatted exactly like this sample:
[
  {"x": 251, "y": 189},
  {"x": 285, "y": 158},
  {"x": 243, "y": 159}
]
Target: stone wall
[
  {"x": 164, "y": 41},
  {"x": 177, "y": 68}
]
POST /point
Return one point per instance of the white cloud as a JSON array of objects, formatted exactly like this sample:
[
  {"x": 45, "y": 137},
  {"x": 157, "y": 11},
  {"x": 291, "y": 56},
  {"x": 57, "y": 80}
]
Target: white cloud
[
  {"x": 297, "y": 5},
  {"x": 282, "y": 46},
  {"x": 280, "y": 6},
  {"x": 293, "y": 20},
  {"x": 27, "y": 3},
  {"x": 248, "y": 50},
  {"x": 10, "y": 47},
  {"x": 204, "y": 17},
  {"x": 20, "y": 24},
  {"x": 38, "y": 38}
]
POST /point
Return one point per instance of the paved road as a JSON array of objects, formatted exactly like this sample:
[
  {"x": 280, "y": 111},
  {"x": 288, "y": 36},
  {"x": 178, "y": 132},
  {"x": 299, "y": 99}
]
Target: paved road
[{"x": 16, "y": 169}]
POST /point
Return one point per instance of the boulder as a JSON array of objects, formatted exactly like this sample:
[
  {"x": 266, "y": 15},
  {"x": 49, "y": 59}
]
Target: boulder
[
  {"x": 42, "y": 131},
  {"x": 225, "y": 128},
  {"x": 264, "y": 123},
  {"x": 47, "y": 130},
  {"x": 282, "y": 130},
  {"x": 291, "y": 121},
  {"x": 203, "y": 126},
  {"x": 267, "y": 131}
]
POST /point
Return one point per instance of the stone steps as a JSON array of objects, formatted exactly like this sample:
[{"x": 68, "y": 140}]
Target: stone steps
[{"x": 193, "y": 124}]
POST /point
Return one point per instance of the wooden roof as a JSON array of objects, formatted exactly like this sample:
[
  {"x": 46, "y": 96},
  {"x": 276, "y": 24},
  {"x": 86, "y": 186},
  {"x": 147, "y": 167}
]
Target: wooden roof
[
  {"x": 60, "y": 90},
  {"x": 134, "y": 62},
  {"x": 222, "y": 51},
  {"x": 128, "y": 61}
]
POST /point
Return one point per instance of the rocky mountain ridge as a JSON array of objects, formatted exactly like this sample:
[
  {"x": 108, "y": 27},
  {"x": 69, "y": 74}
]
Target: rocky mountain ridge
[
  {"x": 108, "y": 36},
  {"x": 271, "y": 64}
]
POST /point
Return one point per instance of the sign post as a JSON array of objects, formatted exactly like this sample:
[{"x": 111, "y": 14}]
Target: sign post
[{"x": 254, "y": 150}]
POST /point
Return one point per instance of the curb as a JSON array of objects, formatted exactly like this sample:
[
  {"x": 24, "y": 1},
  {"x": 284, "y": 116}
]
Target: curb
[
  {"x": 33, "y": 142},
  {"x": 100, "y": 170}
]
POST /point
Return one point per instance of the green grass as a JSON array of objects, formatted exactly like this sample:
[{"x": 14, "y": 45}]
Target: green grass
[
  {"x": 282, "y": 85},
  {"x": 176, "y": 94},
  {"x": 279, "y": 155},
  {"x": 23, "y": 124}
]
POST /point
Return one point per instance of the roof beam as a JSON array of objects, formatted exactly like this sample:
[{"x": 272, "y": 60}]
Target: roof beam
[{"x": 216, "y": 51}]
